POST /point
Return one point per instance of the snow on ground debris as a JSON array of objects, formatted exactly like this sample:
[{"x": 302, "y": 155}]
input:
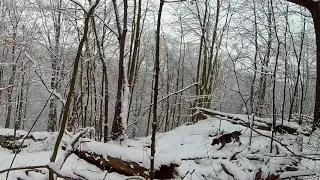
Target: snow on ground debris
[{"x": 188, "y": 145}]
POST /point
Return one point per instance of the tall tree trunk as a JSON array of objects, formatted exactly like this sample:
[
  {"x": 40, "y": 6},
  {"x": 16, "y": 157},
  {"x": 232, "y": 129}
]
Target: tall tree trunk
[
  {"x": 12, "y": 78},
  {"x": 155, "y": 92},
  {"x": 285, "y": 68},
  {"x": 150, "y": 111},
  {"x": 265, "y": 64},
  {"x": 274, "y": 111},
  {"x": 117, "y": 125},
  {"x": 299, "y": 59},
  {"x": 54, "y": 65},
  {"x": 199, "y": 86},
  {"x": 316, "y": 19},
  {"x": 255, "y": 59},
  {"x": 133, "y": 64},
  {"x": 103, "y": 122}
]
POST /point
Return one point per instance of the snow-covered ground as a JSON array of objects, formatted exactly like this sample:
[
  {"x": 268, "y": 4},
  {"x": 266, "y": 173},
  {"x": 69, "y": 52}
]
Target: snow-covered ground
[{"x": 188, "y": 145}]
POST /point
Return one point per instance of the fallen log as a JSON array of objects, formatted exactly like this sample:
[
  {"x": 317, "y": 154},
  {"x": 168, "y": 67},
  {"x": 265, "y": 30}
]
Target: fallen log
[
  {"x": 126, "y": 160},
  {"x": 283, "y": 173},
  {"x": 259, "y": 123}
]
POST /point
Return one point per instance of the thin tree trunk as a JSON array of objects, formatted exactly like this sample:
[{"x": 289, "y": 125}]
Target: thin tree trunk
[
  {"x": 155, "y": 92},
  {"x": 265, "y": 64},
  {"x": 72, "y": 85},
  {"x": 104, "y": 87},
  {"x": 274, "y": 112},
  {"x": 149, "y": 115},
  {"x": 299, "y": 58},
  {"x": 54, "y": 65},
  {"x": 132, "y": 70},
  {"x": 200, "y": 61},
  {"x": 285, "y": 68}
]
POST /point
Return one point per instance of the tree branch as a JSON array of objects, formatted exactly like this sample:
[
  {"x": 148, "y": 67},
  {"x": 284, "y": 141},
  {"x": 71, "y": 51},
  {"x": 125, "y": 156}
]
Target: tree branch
[{"x": 22, "y": 168}]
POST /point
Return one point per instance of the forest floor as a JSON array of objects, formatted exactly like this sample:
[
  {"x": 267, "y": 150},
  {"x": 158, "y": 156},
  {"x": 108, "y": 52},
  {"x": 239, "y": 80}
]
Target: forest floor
[{"x": 188, "y": 146}]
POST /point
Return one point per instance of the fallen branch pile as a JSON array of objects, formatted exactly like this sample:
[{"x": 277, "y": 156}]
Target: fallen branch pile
[{"x": 11, "y": 142}]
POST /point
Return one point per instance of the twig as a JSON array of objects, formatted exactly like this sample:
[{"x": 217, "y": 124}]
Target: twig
[
  {"x": 22, "y": 168},
  {"x": 51, "y": 91},
  {"x": 77, "y": 3},
  {"x": 168, "y": 95},
  {"x": 295, "y": 175},
  {"x": 149, "y": 106}
]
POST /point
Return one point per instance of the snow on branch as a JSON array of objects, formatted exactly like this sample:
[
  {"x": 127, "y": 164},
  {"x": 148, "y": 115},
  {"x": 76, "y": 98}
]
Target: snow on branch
[
  {"x": 293, "y": 174},
  {"x": 58, "y": 95},
  {"x": 72, "y": 145}
]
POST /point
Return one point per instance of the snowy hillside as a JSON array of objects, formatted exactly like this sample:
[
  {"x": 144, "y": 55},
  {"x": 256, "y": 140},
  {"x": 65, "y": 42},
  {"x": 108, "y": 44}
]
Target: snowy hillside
[{"x": 188, "y": 147}]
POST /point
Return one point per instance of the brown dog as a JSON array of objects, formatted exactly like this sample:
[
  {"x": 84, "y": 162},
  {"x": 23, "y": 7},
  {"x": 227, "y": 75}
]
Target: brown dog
[{"x": 227, "y": 138}]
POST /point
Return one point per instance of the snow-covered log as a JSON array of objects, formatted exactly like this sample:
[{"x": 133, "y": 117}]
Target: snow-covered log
[
  {"x": 233, "y": 170},
  {"x": 127, "y": 160},
  {"x": 259, "y": 123},
  {"x": 287, "y": 172}
]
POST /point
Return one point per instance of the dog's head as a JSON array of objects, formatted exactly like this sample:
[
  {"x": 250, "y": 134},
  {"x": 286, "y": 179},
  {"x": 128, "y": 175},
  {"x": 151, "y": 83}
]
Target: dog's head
[
  {"x": 238, "y": 133},
  {"x": 215, "y": 141}
]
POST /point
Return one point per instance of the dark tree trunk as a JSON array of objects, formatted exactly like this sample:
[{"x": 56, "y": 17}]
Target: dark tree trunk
[
  {"x": 316, "y": 20},
  {"x": 117, "y": 126},
  {"x": 285, "y": 68},
  {"x": 155, "y": 92}
]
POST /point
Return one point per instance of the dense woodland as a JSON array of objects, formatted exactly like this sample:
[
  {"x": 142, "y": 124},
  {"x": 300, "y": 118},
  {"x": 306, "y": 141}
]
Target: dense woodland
[
  {"x": 133, "y": 68},
  {"x": 223, "y": 55}
]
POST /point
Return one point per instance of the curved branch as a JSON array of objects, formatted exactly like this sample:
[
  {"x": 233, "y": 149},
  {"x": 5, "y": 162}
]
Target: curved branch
[
  {"x": 22, "y": 168},
  {"x": 305, "y": 3}
]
